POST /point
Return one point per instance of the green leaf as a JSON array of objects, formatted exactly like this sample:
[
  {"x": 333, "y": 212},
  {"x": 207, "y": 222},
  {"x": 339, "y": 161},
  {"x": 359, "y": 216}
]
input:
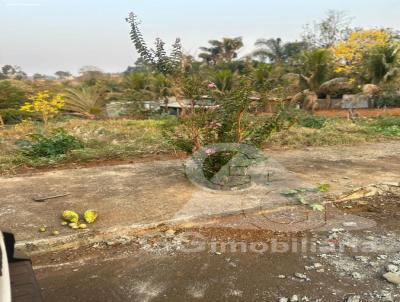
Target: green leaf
[
  {"x": 302, "y": 199},
  {"x": 317, "y": 207},
  {"x": 290, "y": 192},
  {"x": 323, "y": 188}
]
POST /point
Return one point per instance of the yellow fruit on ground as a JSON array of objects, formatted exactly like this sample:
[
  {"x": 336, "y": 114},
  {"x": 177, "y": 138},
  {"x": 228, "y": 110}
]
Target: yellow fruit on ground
[
  {"x": 42, "y": 229},
  {"x": 55, "y": 233},
  {"x": 82, "y": 226},
  {"x": 90, "y": 216},
  {"x": 70, "y": 216}
]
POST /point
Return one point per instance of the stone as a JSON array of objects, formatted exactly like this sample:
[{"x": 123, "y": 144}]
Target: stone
[
  {"x": 300, "y": 276},
  {"x": 354, "y": 299},
  {"x": 170, "y": 233},
  {"x": 363, "y": 259},
  {"x": 294, "y": 298},
  {"x": 356, "y": 275},
  {"x": 283, "y": 300},
  {"x": 392, "y": 277},
  {"x": 392, "y": 268}
]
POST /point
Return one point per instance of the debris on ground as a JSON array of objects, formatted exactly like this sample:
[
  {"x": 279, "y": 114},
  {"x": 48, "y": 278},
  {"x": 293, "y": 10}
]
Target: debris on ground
[
  {"x": 42, "y": 199},
  {"x": 369, "y": 191}
]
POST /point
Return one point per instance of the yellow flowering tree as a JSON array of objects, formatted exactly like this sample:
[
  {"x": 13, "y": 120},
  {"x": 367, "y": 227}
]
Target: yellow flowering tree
[
  {"x": 349, "y": 54},
  {"x": 44, "y": 104}
]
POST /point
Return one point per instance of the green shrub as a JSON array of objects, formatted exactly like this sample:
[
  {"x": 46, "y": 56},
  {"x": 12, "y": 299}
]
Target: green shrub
[
  {"x": 214, "y": 162},
  {"x": 58, "y": 143},
  {"x": 14, "y": 116},
  {"x": 388, "y": 125},
  {"x": 387, "y": 101},
  {"x": 312, "y": 121}
]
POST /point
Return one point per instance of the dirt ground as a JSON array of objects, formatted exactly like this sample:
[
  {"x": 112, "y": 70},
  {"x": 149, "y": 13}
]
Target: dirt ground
[
  {"x": 164, "y": 267},
  {"x": 155, "y": 192},
  {"x": 250, "y": 254},
  {"x": 362, "y": 112}
]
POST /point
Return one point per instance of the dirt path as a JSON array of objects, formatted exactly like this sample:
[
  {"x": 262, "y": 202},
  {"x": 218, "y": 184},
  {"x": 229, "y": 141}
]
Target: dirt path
[
  {"x": 135, "y": 195},
  {"x": 344, "y": 167}
]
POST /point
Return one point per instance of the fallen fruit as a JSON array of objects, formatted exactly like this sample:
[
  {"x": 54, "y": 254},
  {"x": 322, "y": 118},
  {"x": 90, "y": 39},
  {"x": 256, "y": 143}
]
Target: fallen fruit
[
  {"x": 82, "y": 226},
  {"x": 55, "y": 233},
  {"x": 70, "y": 216},
  {"x": 73, "y": 225},
  {"x": 42, "y": 229},
  {"x": 64, "y": 223},
  {"x": 90, "y": 216}
]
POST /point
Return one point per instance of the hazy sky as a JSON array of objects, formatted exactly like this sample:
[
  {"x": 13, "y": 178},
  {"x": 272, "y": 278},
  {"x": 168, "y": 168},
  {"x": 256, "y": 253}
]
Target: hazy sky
[{"x": 48, "y": 35}]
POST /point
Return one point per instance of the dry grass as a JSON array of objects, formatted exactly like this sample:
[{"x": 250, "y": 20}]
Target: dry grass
[
  {"x": 335, "y": 132},
  {"x": 128, "y": 139},
  {"x": 104, "y": 140}
]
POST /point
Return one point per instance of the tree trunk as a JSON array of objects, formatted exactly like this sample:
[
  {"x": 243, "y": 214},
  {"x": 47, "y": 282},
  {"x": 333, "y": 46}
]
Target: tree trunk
[{"x": 239, "y": 127}]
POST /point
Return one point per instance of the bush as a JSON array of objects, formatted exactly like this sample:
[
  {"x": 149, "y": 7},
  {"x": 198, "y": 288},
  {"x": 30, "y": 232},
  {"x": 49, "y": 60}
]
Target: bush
[
  {"x": 387, "y": 100},
  {"x": 12, "y": 94},
  {"x": 388, "y": 126},
  {"x": 58, "y": 143},
  {"x": 14, "y": 116},
  {"x": 311, "y": 121}
]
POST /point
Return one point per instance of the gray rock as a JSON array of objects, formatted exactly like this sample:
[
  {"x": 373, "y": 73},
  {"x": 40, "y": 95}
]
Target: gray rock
[
  {"x": 363, "y": 259},
  {"x": 356, "y": 275},
  {"x": 392, "y": 268},
  {"x": 300, "y": 276},
  {"x": 353, "y": 299},
  {"x": 294, "y": 298},
  {"x": 283, "y": 300}
]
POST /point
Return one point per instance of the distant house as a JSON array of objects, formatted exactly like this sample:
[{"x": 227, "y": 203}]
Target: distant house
[
  {"x": 174, "y": 107},
  {"x": 356, "y": 101}
]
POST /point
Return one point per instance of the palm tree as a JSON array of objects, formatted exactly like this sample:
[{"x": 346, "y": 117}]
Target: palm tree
[
  {"x": 161, "y": 88},
  {"x": 221, "y": 51},
  {"x": 85, "y": 101},
  {"x": 137, "y": 81},
  {"x": 271, "y": 49},
  {"x": 381, "y": 63},
  {"x": 316, "y": 68},
  {"x": 277, "y": 52},
  {"x": 223, "y": 79}
]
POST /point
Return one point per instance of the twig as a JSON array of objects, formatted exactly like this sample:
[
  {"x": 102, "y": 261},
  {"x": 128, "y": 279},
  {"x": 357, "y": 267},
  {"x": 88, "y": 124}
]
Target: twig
[{"x": 41, "y": 199}]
